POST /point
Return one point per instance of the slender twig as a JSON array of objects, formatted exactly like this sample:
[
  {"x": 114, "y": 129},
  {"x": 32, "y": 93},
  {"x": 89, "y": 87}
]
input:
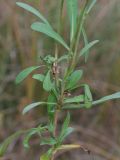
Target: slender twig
[
  {"x": 56, "y": 45},
  {"x": 56, "y": 74},
  {"x": 75, "y": 42},
  {"x": 73, "y": 48}
]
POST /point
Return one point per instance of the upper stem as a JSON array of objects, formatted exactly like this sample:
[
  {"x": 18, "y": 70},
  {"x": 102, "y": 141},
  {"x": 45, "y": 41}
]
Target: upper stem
[
  {"x": 56, "y": 45},
  {"x": 56, "y": 74}
]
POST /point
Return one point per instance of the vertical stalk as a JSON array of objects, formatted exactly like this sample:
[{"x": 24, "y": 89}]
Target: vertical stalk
[
  {"x": 75, "y": 41},
  {"x": 74, "y": 46},
  {"x": 80, "y": 25},
  {"x": 56, "y": 74},
  {"x": 71, "y": 66},
  {"x": 56, "y": 45}
]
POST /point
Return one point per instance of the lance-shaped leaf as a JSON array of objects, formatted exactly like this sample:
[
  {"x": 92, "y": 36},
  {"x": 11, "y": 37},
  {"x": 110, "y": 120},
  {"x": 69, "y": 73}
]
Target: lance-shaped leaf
[
  {"x": 90, "y": 5},
  {"x": 33, "y": 105},
  {"x": 51, "y": 107},
  {"x": 74, "y": 79},
  {"x": 88, "y": 93},
  {"x": 84, "y": 36},
  {"x": 8, "y": 141},
  {"x": 32, "y": 131},
  {"x": 107, "y": 98},
  {"x": 81, "y": 20},
  {"x": 64, "y": 127},
  {"x": 76, "y": 99},
  {"x": 73, "y": 106},
  {"x": 22, "y": 75},
  {"x": 64, "y": 57},
  {"x": 28, "y": 136},
  {"x": 39, "y": 77},
  {"x": 66, "y": 123},
  {"x": 33, "y": 11},
  {"x": 51, "y": 126},
  {"x": 49, "y": 141},
  {"x": 47, "y": 84},
  {"x": 46, "y": 29},
  {"x": 68, "y": 131},
  {"x": 86, "y": 43},
  {"x": 72, "y": 8},
  {"x": 88, "y": 96},
  {"x": 84, "y": 51}
]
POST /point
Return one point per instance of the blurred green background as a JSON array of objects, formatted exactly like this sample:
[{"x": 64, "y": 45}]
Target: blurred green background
[{"x": 97, "y": 129}]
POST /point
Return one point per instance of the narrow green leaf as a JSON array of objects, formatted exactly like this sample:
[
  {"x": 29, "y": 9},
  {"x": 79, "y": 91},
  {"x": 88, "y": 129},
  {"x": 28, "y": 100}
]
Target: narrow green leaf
[
  {"x": 86, "y": 43},
  {"x": 69, "y": 130},
  {"x": 72, "y": 8},
  {"x": 90, "y": 5},
  {"x": 47, "y": 84},
  {"x": 22, "y": 75},
  {"x": 39, "y": 130},
  {"x": 88, "y": 93},
  {"x": 84, "y": 51},
  {"x": 62, "y": 58},
  {"x": 107, "y": 98},
  {"x": 28, "y": 136},
  {"x": 51, "y": 126},
  {"x": 55, "y": 91},
  {"x": 33, "y": 105},
  {"x": 73, "y": 106},
  {"x": 66, "y": 123},
  {"x": 88, "y": 96},
  {"x": 85, "y": 36},
  {"x": 76, "y": 99},
  {"x": 64, "y": 127},
  {"x": 51, "y": 108},
  {"x": 39, "y": 77},
  {"x": 33, "y": 11},
  {"x": 8, "y": 141},
  {"x": 43, "y": 28},
  {"x": 74, "y": 79},
  {"x": 81, "y": 20},
  {"x": 49, "y": 141}
]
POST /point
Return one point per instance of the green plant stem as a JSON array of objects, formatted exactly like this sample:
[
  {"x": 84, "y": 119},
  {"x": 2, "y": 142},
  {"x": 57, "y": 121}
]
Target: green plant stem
[
  {"x": 56, "y": 74},
  {"x": 56, "y": 55},
  {"x": 55, "y": 132},
  {"x": 78, "y": 34},
  {"x": 75, "y": 41},
  {"x": 56, "y": 45},
  {"x": 73, "y": 48},
  {"x": 60, "y": 17}
]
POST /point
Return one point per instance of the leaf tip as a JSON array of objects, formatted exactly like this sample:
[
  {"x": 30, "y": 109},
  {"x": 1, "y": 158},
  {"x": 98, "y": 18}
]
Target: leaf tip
[
  {"x": 18, "y": 3},
  {"x": 97, "y": 41},
  {"x": 34, "y": 24},
  {"x": 23, "y": 112}
]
